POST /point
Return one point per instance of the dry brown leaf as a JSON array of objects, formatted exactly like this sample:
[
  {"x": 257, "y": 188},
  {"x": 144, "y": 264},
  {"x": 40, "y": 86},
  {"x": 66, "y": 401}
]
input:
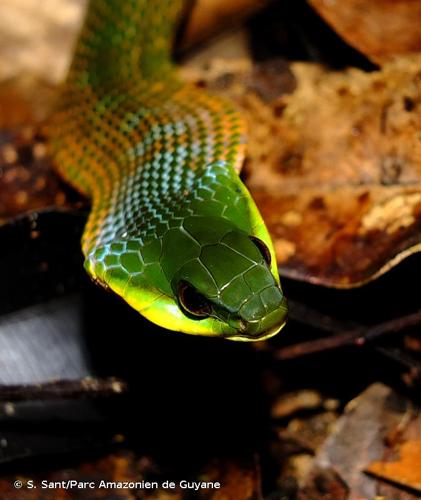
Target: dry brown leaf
[
  {"x": 334, "y": 165},
  {"x": 380, "y": 29},
  {"x": 361, "y": 435},
  {"x": 406, "y": 470}
]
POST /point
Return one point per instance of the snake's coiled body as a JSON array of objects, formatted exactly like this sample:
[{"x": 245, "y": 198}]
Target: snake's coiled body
[{"x": 172, "y": 229}]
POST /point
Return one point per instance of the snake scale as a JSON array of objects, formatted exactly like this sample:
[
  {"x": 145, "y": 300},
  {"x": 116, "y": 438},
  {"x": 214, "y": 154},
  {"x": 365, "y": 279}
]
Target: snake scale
[{"x": 172, "y": 229}]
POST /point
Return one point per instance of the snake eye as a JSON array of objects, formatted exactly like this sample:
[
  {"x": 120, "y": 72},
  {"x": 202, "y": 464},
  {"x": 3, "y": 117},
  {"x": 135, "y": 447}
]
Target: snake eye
[
  {"x": 192, "y": 303},
  {"x": 263, "y": 249}
]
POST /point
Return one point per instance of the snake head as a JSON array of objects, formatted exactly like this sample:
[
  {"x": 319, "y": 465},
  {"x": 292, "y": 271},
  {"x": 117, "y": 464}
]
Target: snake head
[{"x": 204, "y": 277}]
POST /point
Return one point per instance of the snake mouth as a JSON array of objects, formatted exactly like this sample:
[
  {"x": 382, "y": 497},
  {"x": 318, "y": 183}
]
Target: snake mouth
[{"x": 267, "y": 334}]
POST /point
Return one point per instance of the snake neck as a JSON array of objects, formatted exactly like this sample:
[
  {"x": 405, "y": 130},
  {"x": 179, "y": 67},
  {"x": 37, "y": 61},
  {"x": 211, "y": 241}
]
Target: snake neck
[{"x": 124, "y": 41}]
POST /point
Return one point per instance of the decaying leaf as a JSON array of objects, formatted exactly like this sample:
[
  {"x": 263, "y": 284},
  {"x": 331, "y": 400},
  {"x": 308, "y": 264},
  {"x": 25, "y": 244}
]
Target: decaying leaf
[
  {"x": 334, "y": 165},
  {"x": 381, "y": 29},
  {"x": 358, "y": 437},
  {"x": 400, "y": 464},
  {"x": 406, "y": 470},
  {"x": 369, "y": 426}
]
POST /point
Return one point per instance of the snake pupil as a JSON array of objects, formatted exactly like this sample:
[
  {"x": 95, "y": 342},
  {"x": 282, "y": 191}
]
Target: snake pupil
[
  {"x": 192, "y": 303},
  {"x": 263, "y": 249}
]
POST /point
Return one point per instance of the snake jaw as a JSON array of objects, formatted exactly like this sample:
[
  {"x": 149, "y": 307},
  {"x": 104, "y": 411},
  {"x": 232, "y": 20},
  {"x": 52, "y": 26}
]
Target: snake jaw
[{"x": 259, "y": 338}]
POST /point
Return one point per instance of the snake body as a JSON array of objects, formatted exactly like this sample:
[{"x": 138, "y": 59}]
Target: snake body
[{"x": 172, "y": 229}]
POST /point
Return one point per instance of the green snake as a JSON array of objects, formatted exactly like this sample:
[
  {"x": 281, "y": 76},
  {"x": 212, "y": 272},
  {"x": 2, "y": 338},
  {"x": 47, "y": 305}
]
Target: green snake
[{"x": 172, "y": 229}]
